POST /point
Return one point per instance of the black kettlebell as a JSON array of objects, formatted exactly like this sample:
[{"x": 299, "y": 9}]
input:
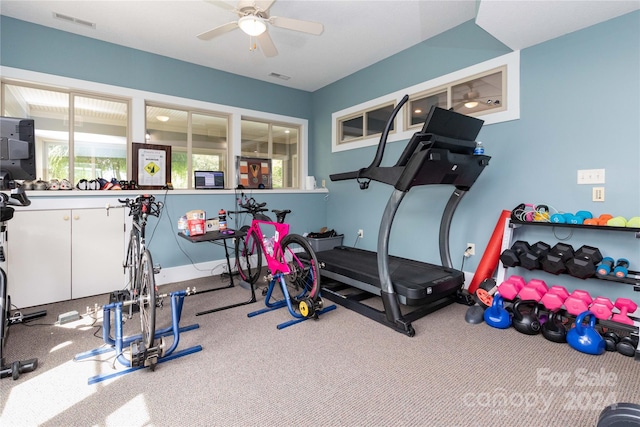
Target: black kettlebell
[
  {"x": 627, "y": 346},
  {"x": 553, "y": 329},
  {"x": 526, "y": 321}
]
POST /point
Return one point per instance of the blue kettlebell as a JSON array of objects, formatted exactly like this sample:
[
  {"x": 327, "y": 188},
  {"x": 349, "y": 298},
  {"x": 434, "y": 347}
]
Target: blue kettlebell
[
  {"x": 496, "y": 315},
  {"x": 585, "y": 338}
]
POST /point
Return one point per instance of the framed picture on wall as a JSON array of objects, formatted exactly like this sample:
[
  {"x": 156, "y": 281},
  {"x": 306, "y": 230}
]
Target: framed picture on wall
[
  {"x": 254, "y": 172},
  {"x": 151, "y": 165}
]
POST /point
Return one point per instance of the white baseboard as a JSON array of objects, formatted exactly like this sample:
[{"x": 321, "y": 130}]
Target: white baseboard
[{"x": 192, "y": 271}]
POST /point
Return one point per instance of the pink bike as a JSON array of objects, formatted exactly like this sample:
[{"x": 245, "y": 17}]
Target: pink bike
[{"x": 290, "y": 260}]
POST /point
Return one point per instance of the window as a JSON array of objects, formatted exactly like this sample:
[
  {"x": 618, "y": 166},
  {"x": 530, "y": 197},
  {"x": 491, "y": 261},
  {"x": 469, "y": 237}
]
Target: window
[
  {"x": 198, "y": 141},
  {"x": 420, "y": 105},
  {"x": 367, "y": 123},
  {"x": 278, "y": 142},
  {"x": 489, "y": 90},
  {"x": 93, "y": 128}
]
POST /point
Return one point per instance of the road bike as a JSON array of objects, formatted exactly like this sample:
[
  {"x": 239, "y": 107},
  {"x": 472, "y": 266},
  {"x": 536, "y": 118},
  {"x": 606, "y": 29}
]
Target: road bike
[
  {"x": 138, "y": 266},
  {"x": 290, "y": 259}
]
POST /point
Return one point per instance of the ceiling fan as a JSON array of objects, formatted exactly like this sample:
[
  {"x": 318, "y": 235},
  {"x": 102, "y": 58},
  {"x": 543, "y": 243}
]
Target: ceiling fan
[
  {"x": 254, "y": 19},
  {"x": 472, "y": 100}
]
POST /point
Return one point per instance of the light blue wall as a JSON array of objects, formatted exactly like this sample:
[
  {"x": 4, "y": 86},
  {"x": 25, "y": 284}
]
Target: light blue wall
[
  {"x": 170, "y": 250},
  {"x": 36, "y": 48},
  {"x": 33, "y": 47},
  {"x": 579, "y": 110}
]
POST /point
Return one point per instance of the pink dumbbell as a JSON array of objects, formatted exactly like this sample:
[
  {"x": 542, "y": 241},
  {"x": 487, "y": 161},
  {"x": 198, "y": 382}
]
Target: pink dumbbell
[
  {"x": 554, "y": 299},
  {"x": 509, "y": 288},
  {"x": 625, "y": 306},
  {"x": 602, "y": 308},
  {"x": 577, "y": 302},
  {"x": 534, "y": 290}
]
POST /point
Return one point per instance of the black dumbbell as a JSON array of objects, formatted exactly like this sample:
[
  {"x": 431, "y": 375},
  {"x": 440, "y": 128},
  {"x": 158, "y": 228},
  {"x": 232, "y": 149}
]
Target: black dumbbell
[
  {"x": 584, "y": 261},
  {"x": 531, "y": 259},
  {"x": 554, "y": 261},
  {"x": 511, "y": 257}
]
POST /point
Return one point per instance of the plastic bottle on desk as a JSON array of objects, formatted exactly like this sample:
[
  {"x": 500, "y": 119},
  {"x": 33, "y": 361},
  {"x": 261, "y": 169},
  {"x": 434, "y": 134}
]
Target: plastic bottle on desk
[
  {"x": 222, "y": 220},
  {"x": 268, "y": 244},
  {"x": 479, "y": 150}
]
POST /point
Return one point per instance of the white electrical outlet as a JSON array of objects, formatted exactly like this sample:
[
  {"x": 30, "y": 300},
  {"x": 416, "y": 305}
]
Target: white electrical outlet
[
  {"x": 471, "y": 249},
  {"x": 361, "y": 233}
]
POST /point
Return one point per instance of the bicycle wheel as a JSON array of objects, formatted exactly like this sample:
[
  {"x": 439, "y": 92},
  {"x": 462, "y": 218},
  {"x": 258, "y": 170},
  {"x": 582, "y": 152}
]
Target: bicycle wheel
[
  {"x": 249, "y": 257},
  {"x": 303, "y": 282},
  {"x": 131, "y": 263},
  {"x": 147, "y": 300}
]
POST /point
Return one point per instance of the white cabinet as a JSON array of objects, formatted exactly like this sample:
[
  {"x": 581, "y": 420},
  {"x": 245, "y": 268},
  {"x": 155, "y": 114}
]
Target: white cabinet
[{"x": 61, "y": 254}]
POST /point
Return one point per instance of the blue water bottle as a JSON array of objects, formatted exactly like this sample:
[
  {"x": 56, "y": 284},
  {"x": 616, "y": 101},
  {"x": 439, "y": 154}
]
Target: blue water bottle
[{"x": 479, "y": 150}]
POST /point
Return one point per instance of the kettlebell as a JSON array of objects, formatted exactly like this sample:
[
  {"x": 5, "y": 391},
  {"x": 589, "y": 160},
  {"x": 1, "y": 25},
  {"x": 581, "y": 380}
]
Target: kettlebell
[
  {"x": 585, "y": 338},
  {"x": 553, "y": 329},
  {"x": 526, "y": 321},
  {"x": 496, "y": 316}
]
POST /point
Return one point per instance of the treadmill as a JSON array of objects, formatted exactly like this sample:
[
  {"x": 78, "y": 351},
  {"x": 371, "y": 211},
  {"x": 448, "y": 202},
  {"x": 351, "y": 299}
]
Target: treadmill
[{"x": 442, "y": 152}]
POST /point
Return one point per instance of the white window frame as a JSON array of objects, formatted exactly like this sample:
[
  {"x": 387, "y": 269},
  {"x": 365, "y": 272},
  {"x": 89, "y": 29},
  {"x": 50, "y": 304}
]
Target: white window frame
[
  {"x": 512, "y": 89},
  {"x": 140, "y": 98}
]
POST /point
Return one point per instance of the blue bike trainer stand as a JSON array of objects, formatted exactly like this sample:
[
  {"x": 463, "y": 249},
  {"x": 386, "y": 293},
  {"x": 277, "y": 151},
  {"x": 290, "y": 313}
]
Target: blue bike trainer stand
[
  {"x": 117, "y": 344},
  {"x": 275, "y": 305}
]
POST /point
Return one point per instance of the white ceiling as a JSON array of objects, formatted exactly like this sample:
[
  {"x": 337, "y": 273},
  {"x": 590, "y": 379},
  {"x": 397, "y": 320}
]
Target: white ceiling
[{"x": 357, "y": 33}]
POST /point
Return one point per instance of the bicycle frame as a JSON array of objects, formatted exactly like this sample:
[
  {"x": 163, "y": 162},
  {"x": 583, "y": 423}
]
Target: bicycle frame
[{"x": 281, "y": 230}]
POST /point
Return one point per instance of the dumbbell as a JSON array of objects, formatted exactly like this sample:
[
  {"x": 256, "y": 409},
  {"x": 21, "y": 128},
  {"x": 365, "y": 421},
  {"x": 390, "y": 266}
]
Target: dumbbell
[
  {"x": 578, "y": 302},
  {"x": 625, "y": 306},
  {"x": 534, "y": 290},
  {"x": 554, "y": 298},
  {"x": 605, "y": 266},
  {"x": 531, "y": 259},
  {"x": 602, "y": 219},
  {"x": 602, "y": 308},
  {"x": 511, "y": 257},
  {"x": 554, "y": 261},
  {"x": 618, "y": 221},
  {"x": 510, "y": 288},
  {"x": 622, "y": 268},
  {"x": 584, "y": 261}
]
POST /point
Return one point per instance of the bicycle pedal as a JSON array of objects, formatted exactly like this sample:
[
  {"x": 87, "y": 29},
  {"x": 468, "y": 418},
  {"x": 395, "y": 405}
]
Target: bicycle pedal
[{"x": 156, "y": 269}]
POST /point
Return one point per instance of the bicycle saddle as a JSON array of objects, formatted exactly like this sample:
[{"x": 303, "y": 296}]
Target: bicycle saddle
[{"x": 281, "y": 214}]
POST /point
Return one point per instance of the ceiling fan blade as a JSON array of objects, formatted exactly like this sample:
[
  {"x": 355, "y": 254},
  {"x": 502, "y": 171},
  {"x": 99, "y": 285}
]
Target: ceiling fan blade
[
  {"x": 221, "y": 4},
  {"x": 266, "y": 44},
  {"x": 208, "y": 35},
  {"x": 309, "y": 27}
]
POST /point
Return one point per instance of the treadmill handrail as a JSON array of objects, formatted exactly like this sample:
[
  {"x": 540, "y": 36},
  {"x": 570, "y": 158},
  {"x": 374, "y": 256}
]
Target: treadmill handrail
[{"x": 377, "y": 160}]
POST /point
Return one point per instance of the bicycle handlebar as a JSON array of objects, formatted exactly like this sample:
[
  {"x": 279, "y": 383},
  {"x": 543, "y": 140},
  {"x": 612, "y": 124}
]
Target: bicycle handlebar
[{"x": 142, "y": 205}]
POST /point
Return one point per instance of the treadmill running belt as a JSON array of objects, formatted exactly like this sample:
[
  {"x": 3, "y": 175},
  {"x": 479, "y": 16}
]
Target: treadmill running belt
[{"x": 415, "y": 281}]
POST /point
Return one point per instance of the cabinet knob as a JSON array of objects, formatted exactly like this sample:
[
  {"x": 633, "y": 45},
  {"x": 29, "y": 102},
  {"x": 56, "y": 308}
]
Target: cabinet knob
[
  {"x": 76, "y": 217},
  {"x": 66, "y": 217}
]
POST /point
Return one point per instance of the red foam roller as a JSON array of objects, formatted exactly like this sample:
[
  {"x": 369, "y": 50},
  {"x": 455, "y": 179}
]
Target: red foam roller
[{"x": 491, "y": 256}]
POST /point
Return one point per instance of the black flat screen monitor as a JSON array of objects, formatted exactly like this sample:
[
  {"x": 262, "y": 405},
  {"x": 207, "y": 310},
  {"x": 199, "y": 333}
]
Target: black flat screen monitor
[
  {"x": 444, "y": 129},
  {"x": 17, "y": 149},
  {"x": 450, "y": 124},
  {"x": 208, "y": 180}
]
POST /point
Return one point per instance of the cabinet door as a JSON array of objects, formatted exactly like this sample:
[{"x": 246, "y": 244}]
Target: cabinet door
[
  {"x": 97, "y": 244},
  {"x": 39, "y": 255}
]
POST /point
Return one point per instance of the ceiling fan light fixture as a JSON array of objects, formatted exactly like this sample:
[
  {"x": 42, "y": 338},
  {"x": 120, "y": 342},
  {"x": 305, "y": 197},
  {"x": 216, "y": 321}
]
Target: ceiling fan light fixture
[
  {"x": 252, "y": 25},
  {"x": 471, "y": 104}
]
